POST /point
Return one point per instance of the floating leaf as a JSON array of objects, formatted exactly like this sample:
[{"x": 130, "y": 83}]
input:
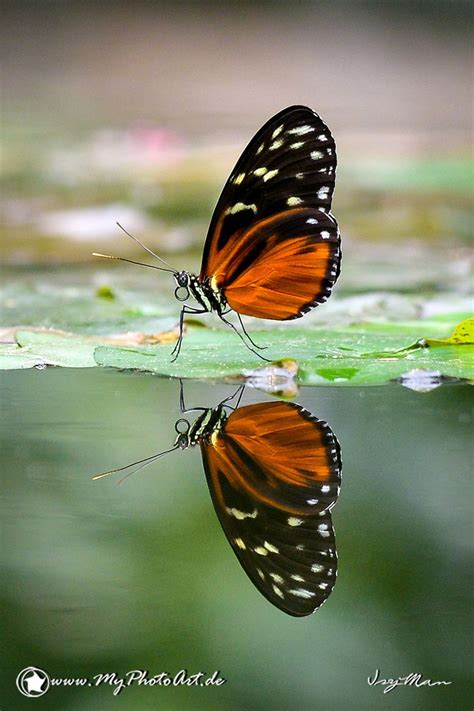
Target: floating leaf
[
  {"x": 463, "y": 334},
  {"x": 324, "y": 356},
  {"x": 70, "y": 350}
]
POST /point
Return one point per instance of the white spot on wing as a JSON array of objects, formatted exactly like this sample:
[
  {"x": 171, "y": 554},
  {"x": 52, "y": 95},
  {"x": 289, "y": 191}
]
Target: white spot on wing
[
  {"x": 276, "y": 144},
  {"x": 297, "y": 145},
  {"x": 301, "y": 592},
  {"x": 260, "y": 148},
  {"x": 322, "y": 137},
  {"x": 239, "y": 542},
  {"x": 270, "y": 547},
  {"x": 239, "y": 206},
  {"x": 323, "y": 192},
  {"x": 292, "y": 201},
  {"x": 325, "y": 235},
  {"x": 260, "y": 550},
  {"x": 325, "y": 488},
  {"x": 259, "y": 172},
  {"x": 277, "y": 578},
  {"x": 240, "y": 515},
  {"x": 271, "y": 174},
  {"x": 238, "y": 179},
  {"x": 317, "y": 568},
  {"x": 316, "y": 155},
  {"x": 298, "y": 578},
  {"x": 299, "y": 176},
  {"x": 277, "y": 591},
  {"x": 312, "y": 221},
  {"x": 301, "y": 130},
  {"x": 292, "y": 521},
  {"x": 277, "y": 131},
  {"x": 313, "y": 502}
]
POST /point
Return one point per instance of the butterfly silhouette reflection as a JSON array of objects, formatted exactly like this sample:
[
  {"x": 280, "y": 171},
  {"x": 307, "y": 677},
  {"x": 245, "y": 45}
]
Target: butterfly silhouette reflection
[{"x": 274, "y": 474}]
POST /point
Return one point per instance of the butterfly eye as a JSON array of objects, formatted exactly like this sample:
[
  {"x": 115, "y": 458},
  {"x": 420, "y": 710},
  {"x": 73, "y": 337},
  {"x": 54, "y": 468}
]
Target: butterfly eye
[
  {"x": 182, "y": 279},
  {"x": 182, "y": 428}
]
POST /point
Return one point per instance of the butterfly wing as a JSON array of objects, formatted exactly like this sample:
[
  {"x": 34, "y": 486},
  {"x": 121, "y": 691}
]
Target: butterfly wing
[
  {"x": 271, "y": 231},
  {"x": 274, "y": 474}
]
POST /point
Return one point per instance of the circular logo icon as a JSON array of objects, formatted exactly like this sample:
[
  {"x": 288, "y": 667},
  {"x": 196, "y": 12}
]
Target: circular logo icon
[{"x": 32, "y": 682}]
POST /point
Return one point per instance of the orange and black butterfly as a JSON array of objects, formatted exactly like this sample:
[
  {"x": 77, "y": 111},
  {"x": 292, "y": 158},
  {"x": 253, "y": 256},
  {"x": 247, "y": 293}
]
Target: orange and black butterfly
[
  {"x": 274, "y": 473},
  {"x": 273, "y": 248}
]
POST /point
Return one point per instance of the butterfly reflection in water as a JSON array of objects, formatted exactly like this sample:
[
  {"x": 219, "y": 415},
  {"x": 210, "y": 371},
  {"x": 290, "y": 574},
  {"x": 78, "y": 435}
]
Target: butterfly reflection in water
[
  {"x": 274, "y": 473},
  {"x": 273, "y": 247}
]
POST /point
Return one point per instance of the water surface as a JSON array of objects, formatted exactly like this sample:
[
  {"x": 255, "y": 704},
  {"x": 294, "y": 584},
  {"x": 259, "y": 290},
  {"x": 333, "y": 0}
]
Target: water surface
[{"x": 101, "y": 578}]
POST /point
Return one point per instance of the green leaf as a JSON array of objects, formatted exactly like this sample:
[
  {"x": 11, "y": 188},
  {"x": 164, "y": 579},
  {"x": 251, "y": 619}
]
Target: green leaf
[
  {"x": 68, "y": 351},
  {"x": 463, "y": 334},
  {"x": 368, "y": 353},
  {"x": 349, "y": 356}
]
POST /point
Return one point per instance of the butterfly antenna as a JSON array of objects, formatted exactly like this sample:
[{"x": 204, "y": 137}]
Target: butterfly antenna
[
  {"x": 131, "y": 261},
  {"x": 144, "y": 246},
  {"x": 140, "y": 464}
]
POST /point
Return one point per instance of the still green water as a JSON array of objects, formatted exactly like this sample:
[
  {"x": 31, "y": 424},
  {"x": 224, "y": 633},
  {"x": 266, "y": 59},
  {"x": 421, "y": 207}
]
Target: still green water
[{"x": 103, "y": 578}]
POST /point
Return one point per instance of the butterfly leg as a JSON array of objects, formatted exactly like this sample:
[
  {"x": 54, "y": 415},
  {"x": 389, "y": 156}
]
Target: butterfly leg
[
  {"x": 239, "y": 392},
  {"x": 185, "y": 310},
  {"x": 242, "y": 339},
  {"x": 182, "y": 405},
  {"x": 260, "y": 348}
]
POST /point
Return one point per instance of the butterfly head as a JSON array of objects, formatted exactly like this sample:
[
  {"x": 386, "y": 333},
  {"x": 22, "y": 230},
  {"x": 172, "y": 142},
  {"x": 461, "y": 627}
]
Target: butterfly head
[
  {"x": 182, "y": 285},
  {"x": 182, "y": 441},
  {"x": 182, "y": 428}
]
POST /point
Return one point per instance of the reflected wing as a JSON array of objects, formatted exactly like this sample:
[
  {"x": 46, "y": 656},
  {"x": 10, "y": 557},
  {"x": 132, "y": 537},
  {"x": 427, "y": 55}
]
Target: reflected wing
[
  {"x": 274, "y": 475},
  {"x": 280, "y": 191}
]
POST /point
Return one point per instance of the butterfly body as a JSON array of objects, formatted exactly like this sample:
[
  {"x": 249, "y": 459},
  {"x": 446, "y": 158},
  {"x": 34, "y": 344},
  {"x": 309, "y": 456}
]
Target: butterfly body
[
  {"x": 272, "y": 250},
  {"x": 274, "y": 473},
  {"x": 273, "y": 247}
]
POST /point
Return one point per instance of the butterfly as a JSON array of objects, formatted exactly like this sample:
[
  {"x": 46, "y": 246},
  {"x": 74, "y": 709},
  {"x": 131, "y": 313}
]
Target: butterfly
[
  {"x": 273, "y": 248},
  {"x": 273, "y": 471}
]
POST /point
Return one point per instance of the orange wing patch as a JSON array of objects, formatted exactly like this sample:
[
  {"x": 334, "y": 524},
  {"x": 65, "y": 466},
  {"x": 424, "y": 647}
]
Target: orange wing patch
[
  {"x": 279, "y": 454},
  {"x": 273, "y": 473},
  {"x": 279, "y": 268}
]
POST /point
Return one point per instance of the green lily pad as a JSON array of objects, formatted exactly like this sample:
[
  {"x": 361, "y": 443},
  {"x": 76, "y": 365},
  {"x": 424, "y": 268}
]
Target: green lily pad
[
  {"x": 463, "y": 334},
  {"x": 365, "y": 353},
  {"x": 68, "y": 351},
  {"x": 345, "y": 356}
]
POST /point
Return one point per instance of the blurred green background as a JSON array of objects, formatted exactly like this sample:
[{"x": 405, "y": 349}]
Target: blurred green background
[{"x": 137, "y": 112}]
